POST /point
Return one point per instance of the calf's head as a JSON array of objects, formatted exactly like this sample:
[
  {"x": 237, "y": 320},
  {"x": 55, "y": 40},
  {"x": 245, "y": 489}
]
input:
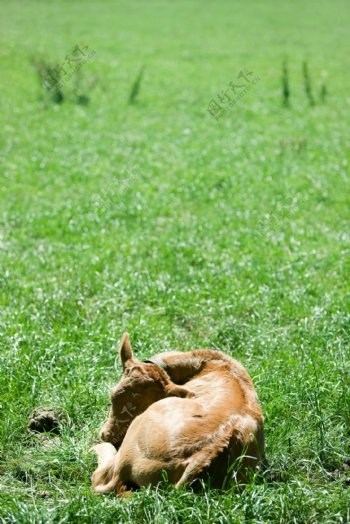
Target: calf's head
[{"x": 142, "y": 384}]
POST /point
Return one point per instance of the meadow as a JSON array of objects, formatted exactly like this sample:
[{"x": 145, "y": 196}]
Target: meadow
[{"x": 125, "y": 205}]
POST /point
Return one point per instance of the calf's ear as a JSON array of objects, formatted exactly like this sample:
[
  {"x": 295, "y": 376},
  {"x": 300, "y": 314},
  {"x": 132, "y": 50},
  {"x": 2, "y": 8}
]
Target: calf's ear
[
  {"x": 125, "y": 351},
  {"x": 172, "y": 390}
]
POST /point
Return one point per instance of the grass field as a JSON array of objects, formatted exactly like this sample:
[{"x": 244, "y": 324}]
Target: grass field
[{"x": 185, "y": 230}]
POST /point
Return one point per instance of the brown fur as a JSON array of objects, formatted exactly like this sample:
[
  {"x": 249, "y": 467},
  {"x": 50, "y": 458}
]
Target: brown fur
[{"x": 216, "y": 423}]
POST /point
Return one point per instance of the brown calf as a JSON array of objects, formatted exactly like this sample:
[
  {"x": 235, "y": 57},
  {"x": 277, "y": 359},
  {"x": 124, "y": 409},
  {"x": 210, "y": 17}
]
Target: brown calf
[{"x": 185, "y": 414}]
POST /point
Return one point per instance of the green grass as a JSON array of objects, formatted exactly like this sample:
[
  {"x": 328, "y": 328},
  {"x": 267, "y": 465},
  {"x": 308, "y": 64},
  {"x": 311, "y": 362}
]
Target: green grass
[{"x": 188, "y": 232}]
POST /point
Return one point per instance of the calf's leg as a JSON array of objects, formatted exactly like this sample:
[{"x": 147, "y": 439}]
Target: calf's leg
[{"x": 104, "y": 477}]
